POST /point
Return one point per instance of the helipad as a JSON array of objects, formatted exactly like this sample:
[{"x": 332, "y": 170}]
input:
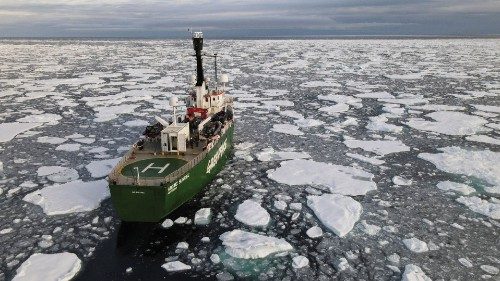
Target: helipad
[{"x": 153, "y": 167}]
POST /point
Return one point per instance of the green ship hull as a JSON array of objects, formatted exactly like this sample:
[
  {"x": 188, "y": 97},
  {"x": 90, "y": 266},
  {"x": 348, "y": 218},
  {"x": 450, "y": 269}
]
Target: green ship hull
[{"x": 139, "y": 203}]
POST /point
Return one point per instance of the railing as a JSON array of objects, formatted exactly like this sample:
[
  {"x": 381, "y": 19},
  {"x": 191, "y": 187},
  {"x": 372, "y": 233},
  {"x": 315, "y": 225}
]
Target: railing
[{"x": 123, "y": 180}]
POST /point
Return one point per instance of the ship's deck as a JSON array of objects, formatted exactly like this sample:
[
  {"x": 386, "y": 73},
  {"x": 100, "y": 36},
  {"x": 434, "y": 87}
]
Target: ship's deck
[{"x": 156, "y": 167}]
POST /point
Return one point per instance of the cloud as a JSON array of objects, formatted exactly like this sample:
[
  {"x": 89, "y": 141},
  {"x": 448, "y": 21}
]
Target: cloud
[{"x": 152, "y": 18}]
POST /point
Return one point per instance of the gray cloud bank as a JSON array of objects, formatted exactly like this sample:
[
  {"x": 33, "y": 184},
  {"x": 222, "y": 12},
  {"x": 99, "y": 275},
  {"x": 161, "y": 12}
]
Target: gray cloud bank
[{"x": 231, "y": 18}]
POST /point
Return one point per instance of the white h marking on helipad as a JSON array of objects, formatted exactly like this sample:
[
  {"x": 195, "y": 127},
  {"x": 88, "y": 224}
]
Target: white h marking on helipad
[{"x": 161, "y": 169}]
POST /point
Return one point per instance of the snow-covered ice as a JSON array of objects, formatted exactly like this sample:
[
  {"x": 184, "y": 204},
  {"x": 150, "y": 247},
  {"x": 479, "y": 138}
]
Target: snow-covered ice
[
  {"x": 482, "y": 164},
  {"x": 202, "y": 216},
  {"x": 488, "y": 208},
  {"x": 49, "y": 267},
  {"x": 380, "y": 147},
  {"x": 75, "y": 196},
  {"x": 11, "y": 130},
  {"x": 251, "y": 213},
  {"x": 175, "y": 266},
  {"x": 339, "y": 179},
  {"x": 300, "y": 262},
  {"x": 450, "y": 123},
  {"x": 456, "y": 187},
  {"x": 101, "y": 168},
  {"x": 248, "y": 245},
  {"x": 336, "y": 212}
]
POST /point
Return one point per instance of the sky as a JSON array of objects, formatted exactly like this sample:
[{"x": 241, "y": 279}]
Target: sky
[{"x": 252, "y": 18}]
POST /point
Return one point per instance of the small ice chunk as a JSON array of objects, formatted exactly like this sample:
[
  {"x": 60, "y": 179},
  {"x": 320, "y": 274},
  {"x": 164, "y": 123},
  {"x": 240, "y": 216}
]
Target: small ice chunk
[
  {"x": 490, "y": 269},
  {"x": 247, "y": 245},
  {"x": 414, "y": 273},
  {"x": 478, "y": 205},
  {"x": 167, "y": 223},
  {"x": 397, "y": 180},
  {"x": 304, "y": 123},
  {"x": 215, "y": 258},
  {"x": 202, "y": 216},
  {"x": 75, "y": 196},
  {"x": 300, "y": 262},
  {"x": 295, "y": 206},
  {"x": 394, "y": 258},
  {"x": 182, "y": 245},
  {"x": 175, "y": 266},
  {"x": 6, "y": 231},
  {"x": 342, "y": 264},
  {"x": 251, "y": 213},
  {"x": 48, "y": 267},
  {"x": 465, "y": 262},
  {"x": 181, "y": 220},
  {"x": 456, "y": 187},
  {"x": 280, "y": 205},
  {"x": 370, "y": 229},
  {"x": 337, "y": 212},
  {"x": 314, "y": 232},
  {"x": 205, "y": 239},
  {"x": 128, "y": 270},
  {"x": 416, "y": 245}
]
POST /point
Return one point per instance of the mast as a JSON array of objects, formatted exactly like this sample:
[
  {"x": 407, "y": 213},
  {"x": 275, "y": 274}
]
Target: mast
[{"x": 198, "y": 47}]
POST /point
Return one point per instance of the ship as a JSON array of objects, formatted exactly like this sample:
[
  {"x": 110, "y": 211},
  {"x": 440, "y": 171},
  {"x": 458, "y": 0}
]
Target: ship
[{"x": 175, "y": 159}]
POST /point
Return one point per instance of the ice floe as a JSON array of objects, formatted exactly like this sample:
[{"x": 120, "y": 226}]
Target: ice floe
[
  {"x": 371, "y": 160},
  {"x": 202, "y": 216},
  {"x": 450, "y": 123},
  {"x": 415, "y": 245},
  {"x": 488, "y": 208},
  {"x": 70, "y": 147},
  {"x": 300, "y": 262},
  {"x": 339, "y": 179},
  {"x": 305, "y": 123},
  {"x": 247, "y": 245},
  {"x": 336, "y": 212},
  {"x": 287, "y": 129},
  {"x": 11, "y": 130},
  {"x": 269, "y": 154},
  {"x": 380, "y": 147},
  {"x": 482, "y": 164},
  {"x": 489, "y": 108},
  {"x": 57, "y": 173},
  {"x": 136, "y": 123},
  {"x": 414, "y": 273},
  {"x": 483, "y": 139},
  {"x": 49, "y": 118},
  {"x": 335, "y": 109},
  {"x": 314, "y": 232},
  {"x": 251, "y": 213},
  {"x": 175, "y": 266},
  {"x": 75, "y": 196},
  {"x": 101, "y": 168},
  {"x": 456, "y": 187},
  {"x": 49, "y": 267},
  {"x": 379, "y": 123},
  {"x": 51, "y": 140}
]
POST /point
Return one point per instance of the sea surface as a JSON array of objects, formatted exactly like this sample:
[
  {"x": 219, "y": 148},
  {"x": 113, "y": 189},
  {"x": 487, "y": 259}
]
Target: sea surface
[{"x": 391, "y": 147}]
